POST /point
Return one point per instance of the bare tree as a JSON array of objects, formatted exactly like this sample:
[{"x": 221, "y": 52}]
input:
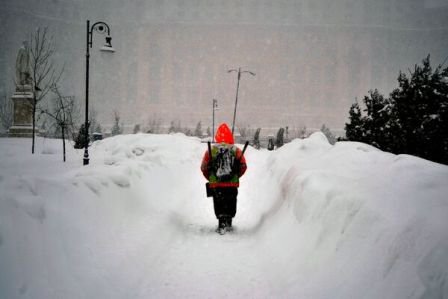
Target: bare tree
[
  {"x": 44, "y": 72},
  {"x": 6, "y": 112},
  {"x": 154, "y": 125},
  {"x": 117, "y": 128},
  {"x": 137, "y": 129},
  {"x": 302, "y": 132},
  {"x": 175, "y": 127},
  {"x": 64, "y": 113},
  {"x": 245, "y": 131},
  {"x": 198, "y": 130}
]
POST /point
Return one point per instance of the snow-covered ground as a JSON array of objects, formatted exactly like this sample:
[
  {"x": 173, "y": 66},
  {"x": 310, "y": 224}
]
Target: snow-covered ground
[{"x": 313, "y": 221}]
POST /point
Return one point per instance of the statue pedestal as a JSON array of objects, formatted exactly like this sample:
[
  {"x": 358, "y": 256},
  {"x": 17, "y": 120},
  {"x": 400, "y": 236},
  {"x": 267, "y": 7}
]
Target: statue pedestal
[{"x": 22, "y": 125}]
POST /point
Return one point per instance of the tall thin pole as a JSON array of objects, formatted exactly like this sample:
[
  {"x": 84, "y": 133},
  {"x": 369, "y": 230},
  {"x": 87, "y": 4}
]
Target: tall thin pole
[
  {"x": 237, "y": 89},
  {"x": 101, "y": 27},
  {"x": 215, "y": 104},
  {"x": 236, "y": 99},
  {"x": 86, "y": 124}
]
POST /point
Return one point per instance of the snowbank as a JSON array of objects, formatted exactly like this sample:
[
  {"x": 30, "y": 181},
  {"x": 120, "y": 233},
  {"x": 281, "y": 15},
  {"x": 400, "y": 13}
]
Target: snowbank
[
  {"x": 367, "y": 224},
  {"x": 313, "y": 221}
]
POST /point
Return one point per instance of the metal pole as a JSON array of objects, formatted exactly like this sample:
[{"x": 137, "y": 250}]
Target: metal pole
[
  {"x": 213, "y": 121},
  {"x": 215, "y": 106},
  {"x": 236, "y": 99},
  {"x": 101, "y": 27},
  {"x": 86, "y": 124}
]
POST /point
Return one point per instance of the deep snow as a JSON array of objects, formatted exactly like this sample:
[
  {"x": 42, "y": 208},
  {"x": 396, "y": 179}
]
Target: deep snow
[{"x": 313, "y": 221}]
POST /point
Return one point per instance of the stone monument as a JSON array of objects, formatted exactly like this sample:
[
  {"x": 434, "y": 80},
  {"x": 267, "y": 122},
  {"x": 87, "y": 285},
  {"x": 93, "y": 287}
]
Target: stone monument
[{"x": 23, "y": 96}]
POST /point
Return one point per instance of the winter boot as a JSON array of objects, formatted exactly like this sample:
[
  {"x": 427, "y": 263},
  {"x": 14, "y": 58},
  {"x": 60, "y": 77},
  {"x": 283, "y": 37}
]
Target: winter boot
[
  {"x": 221, "y": 226},
  {"x": 228, "y": 221}
]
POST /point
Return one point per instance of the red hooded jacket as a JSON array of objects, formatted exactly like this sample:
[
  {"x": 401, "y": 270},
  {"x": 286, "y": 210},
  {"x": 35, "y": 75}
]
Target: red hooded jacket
[{"x": 223, "y": 137}]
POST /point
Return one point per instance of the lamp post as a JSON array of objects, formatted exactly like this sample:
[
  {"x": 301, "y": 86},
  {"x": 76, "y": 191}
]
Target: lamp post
[
  {"x": 102, "y": 28},
  {"x": 237, "y": 88},
  {"x": 214, "y": 107}
]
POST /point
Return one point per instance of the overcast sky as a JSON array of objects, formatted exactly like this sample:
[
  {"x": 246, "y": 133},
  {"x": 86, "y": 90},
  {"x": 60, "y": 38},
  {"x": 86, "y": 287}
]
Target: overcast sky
[{"x": 312, "y": 58}]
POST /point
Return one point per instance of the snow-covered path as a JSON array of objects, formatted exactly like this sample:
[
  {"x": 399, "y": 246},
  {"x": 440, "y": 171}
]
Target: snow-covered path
[
  {"x": 196, "y": 262},
  {"x": 313, "y": 221}
]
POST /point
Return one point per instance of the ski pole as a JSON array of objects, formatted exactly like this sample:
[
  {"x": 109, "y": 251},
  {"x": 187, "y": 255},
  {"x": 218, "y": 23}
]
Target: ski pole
[
  {"x": 245, "y": 146},
  {"x": 209, "y": 150}
]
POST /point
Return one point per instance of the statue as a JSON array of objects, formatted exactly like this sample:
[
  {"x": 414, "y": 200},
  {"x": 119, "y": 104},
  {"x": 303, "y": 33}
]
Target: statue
[
  {"x": 23, "y": 72},
  {"x": 23, "y": 96}
]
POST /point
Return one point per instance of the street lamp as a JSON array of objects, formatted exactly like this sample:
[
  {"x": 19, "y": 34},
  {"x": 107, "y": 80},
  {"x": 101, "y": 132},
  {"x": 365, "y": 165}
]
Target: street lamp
[
  {"x": 237, "y": 87},
  {"x": 102, "y": 28},
  {"x": 215, "y": 107}
]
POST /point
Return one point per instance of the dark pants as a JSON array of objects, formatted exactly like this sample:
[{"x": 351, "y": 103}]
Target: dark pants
[{"x": 224, "y": 200}]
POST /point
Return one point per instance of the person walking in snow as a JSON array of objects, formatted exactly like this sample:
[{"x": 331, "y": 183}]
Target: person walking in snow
[{"x": 222, "y": 165}]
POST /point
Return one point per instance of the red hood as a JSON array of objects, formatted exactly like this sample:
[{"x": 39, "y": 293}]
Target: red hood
[{"x": 223, "y": 134}]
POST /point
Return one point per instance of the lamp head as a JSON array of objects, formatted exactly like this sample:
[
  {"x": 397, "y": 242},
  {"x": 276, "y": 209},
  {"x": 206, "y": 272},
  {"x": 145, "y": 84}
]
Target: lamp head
[{"x": 108, "y": 45}]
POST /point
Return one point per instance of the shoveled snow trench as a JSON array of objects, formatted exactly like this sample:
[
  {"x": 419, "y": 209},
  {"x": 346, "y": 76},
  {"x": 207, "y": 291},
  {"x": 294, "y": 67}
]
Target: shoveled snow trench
[{"x": 314, "y": 220}]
